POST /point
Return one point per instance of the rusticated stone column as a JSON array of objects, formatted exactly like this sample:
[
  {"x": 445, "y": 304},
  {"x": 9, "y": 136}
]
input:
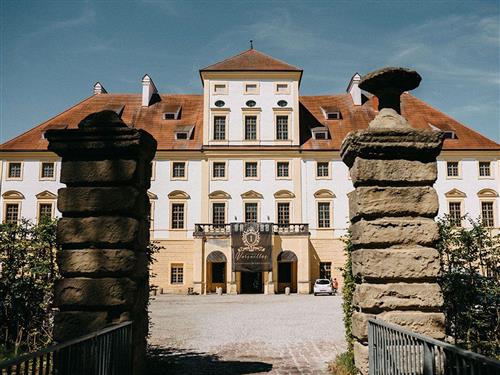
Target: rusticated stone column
[
  {"x": 392, "y": 211},
  {"x": 104, "y": 231}
]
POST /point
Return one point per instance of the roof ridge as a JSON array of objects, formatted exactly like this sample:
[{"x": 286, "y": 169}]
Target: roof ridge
[{"x": 50, "y": 119}]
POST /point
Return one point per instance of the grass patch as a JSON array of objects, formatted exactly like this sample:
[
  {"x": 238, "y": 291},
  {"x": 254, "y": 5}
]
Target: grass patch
[{"x": 343, "y": 364}]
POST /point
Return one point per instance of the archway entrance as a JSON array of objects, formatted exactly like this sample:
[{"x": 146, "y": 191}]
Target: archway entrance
[
  {"x": 216, "y": 271},
  {"x": 251, "y": 283},
  {"x": 287, "y": 271}
]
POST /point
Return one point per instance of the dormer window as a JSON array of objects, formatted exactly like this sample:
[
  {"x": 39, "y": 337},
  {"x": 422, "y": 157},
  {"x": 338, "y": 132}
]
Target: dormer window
[
  {"x": 171, "y": 112},
  {"x": 331, "y": 113},
  {"x": 320, "y": 132},
  {"x": 183, "y": 132},
  {"x": 450, "y": 135}
]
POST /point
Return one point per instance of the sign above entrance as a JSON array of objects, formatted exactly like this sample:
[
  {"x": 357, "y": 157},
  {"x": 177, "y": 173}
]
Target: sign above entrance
[{"x": 251, "y": 247}]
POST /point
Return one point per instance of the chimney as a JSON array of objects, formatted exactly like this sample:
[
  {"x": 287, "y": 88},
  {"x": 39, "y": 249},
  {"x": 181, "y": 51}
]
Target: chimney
[
  {"x": 354, "y": 90},
  {"x": 148, "y": 90},
  {"x": 99, "y": 89}
]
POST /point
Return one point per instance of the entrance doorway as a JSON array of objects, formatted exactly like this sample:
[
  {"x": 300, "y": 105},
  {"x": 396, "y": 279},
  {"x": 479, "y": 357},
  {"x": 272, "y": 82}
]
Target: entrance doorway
[
  {"x": 287, "y": 271},
  {"x": 251, "y": 283},
  {"x": 216, "y": 271}
]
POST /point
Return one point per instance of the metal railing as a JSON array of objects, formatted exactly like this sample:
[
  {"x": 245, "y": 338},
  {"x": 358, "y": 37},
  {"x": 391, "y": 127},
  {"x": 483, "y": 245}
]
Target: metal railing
[
  {"x": 104, "y": 352},
  {"x": 393, "y": 350},
  {"x": 201, "y": 230}
]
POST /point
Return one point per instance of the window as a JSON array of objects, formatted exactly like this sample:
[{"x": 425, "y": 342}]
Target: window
[
  {"x": 325, "y": 270},
  {"x": 449, "y": 135},
  {"x": 178, "y": 170},
  {"x": 484, "y": 169},
  {"x": 47, "y": 170},
  {"x": 44, "y": 211},
  {"x": 251, "y": 169},
  {"x": 333, "y": 116},
  {"x": 282, "y": 103},
  {"x": 218, "y": 213},
  {"x": 11, "y": 213},
  {"x": 282, "y": 88},
  {"x": 322, "y": 169},
  {"x": 250, "y": 103},
  {"x": 219, "y": 127},
  {"x": 282, "y": 169},
  {"x": 181, "y": 135},
  {"x": 251, "y": 88},
  {"x": 250, "y": 128},
  {"x": 452, "y": 169},
  {"x": 177, "y": 215},
  {"x": 220, "y": 103},
  {"x": 251, "y": 210},
  {"x": 219, "y": 170},
  {"x": 455, "y": 213},
  {"x": 170, "y": 116},
  {"x": 324, "y": 214},
  {"x": 282, "y": 127},
  {"x": 220, "y": 88},
  {"x": 487, "y": 214},
  {"x": 15, "y": 170},
  {"x": 176, "y": 274},
  {"x": 283, "y": 213},
  {"x": 320, "y": 135}
]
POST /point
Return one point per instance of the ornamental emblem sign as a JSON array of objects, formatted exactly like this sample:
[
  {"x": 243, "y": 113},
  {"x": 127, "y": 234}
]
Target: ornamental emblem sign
[{"x": 251, "y": 247}]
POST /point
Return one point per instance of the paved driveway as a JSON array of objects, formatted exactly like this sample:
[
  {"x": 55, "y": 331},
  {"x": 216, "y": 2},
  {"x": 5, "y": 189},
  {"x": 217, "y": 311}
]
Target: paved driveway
[{"x": 245, "y": 334}]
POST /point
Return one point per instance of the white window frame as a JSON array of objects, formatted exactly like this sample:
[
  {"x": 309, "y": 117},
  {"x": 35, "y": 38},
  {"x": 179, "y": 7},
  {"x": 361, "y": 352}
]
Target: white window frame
[
  {"x": 488, "y": 177},
  {"x": 290, "y": 210},
  {"x": 318, "y": 177},
  {"x": 251, "y": 201},
  {"x": 172, "y": 177},
  {"x": 289, "y": 126},
  {"x": 45, "y": 201},
  {"x": 170, "y": 269},
  {"x": 40, "y": 172},
  {"x": 10, "y": 202},
  {"x": 212, "y": 170},
  {"x": 459, "y": 201},
  {"x": 289, "y": 177},
  {"x": 330, "y": 213},
  {"x": 493, "y": 203},
  {"x": 215, "y": 114},
  {"x": 459, "y": 176},
  {"x": 171, "y": 210},
  {"x": 245, "y": 162},
  {"x": 256, "y": 114},
  {"x": 7, "y": 172}
]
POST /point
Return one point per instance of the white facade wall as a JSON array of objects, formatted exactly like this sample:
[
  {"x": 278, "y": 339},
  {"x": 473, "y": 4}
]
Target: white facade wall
[
  {"x": 235, "y": 99},
  {"x": 235, "y": 184}
]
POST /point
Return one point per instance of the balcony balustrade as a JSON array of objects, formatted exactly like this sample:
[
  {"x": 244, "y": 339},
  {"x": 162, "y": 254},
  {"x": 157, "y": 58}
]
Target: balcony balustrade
[{"x": 224, "y": 230}]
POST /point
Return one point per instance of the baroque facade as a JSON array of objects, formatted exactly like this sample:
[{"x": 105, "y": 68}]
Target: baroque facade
[{"x": 250, "y": 149}]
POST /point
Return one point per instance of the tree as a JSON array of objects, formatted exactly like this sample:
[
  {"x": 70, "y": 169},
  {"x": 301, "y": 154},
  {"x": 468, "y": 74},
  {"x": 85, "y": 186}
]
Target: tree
[
  {"x": 470, "y": 279},
  {"x": 27, "y": 274}
]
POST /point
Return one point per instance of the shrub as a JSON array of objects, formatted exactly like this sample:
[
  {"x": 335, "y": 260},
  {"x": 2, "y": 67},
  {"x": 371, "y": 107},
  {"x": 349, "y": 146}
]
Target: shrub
[{"x": 27, "y": 274}]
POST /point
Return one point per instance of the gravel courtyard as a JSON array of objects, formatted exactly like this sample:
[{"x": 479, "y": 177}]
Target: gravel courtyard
[{"x": 245, "y": 334}]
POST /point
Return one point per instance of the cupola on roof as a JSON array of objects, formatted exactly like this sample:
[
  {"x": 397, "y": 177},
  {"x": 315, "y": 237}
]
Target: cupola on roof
[{"x": 251, "y": 60}]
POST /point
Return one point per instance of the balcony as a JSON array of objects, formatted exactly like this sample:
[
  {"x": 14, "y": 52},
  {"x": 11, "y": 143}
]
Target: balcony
[{"x": 224, "y": 230}]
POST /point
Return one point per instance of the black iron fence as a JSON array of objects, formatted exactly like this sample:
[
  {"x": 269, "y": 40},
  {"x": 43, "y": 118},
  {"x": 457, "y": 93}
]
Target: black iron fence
[
  {"x": 104, "y": 352},
  {"x": 393, "y": 350}
]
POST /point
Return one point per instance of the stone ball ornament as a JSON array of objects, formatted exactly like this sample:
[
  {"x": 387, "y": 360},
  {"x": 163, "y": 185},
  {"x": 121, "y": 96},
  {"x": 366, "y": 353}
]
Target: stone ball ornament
[{"x": 387, "y": 84}]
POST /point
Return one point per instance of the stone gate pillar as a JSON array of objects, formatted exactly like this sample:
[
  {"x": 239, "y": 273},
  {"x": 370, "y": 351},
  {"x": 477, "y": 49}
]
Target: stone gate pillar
[
  {"x": 392, "y": 211},
  {"x": 104, "y": 231}
]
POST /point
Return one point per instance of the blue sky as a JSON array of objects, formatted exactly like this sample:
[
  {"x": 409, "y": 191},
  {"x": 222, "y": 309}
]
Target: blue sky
[{"x": 52, "y": 52}]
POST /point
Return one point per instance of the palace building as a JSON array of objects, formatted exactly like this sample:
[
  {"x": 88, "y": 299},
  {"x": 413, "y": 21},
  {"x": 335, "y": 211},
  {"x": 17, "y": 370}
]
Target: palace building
[{"x": 248, "y": 190}]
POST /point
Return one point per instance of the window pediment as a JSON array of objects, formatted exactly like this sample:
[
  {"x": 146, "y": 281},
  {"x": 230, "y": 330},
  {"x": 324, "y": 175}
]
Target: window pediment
[
  {"x": 251, "y": 194},
  {"x": 12, "y": 194},
  {"x": 455, "y": 193},
  {"x": 178, "y": 194},
  {"x": 46, "y": 195},
  {"x": 324, "y": 193},
  {"x": 284, "y": 194},
  {"x": 153, "y": 195},
  {"x": 219, "y": 194},
  {"x": 487, "y": 193}
]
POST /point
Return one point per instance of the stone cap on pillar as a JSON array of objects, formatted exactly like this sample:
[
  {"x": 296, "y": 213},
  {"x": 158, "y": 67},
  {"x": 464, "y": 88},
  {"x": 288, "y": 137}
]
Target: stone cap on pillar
[
  {"x": 387, "y": 84},
  {"x": 103, "y": 135}
]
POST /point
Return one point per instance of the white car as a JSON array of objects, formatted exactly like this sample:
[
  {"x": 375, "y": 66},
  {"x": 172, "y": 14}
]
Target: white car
[{"x": 323, "y": 286}]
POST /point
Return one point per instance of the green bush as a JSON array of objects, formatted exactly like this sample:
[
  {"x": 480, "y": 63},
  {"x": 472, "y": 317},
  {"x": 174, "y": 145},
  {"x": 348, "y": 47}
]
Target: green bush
[
  {"x": 27, "y": 274},
  {"x": 470, "y": 280}
]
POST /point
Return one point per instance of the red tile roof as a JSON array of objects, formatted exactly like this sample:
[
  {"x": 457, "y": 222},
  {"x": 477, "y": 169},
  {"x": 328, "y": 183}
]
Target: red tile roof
[
  {"x": 251, "y": 60},
  {"x": 419, "y": 114}
]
